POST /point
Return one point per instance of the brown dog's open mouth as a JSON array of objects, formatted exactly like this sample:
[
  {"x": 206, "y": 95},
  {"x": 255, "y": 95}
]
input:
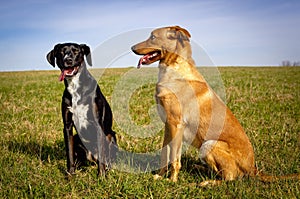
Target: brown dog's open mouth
[
  {"x": 149, "y": 58},
  {"x": 69, "y": 72}
]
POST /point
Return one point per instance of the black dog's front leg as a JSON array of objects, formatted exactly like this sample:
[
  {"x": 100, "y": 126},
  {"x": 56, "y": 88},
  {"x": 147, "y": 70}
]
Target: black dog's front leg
[
  {"x": 102, "y": 153},
  {"x": 69, "y": 143},
  {"x": 68, "y": 134},
  {"x": 108, "y": 140}
]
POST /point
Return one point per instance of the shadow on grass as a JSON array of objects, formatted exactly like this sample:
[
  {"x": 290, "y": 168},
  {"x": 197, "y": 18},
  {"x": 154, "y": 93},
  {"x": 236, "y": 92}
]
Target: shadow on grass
[
  {"x": 150, "y": 163},
  {"x": 126, "y": 162},
  {"x": 197, "y": 169},
  {"x": 42, "y": 151}
]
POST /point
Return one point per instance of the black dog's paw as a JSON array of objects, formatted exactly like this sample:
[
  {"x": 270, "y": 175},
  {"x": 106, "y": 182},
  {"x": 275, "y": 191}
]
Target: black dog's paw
[
  {"x": 70, "y": 173},
  {"x": 101, "y": 170}
]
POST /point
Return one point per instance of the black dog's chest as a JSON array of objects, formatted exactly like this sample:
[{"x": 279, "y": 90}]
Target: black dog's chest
[
  {"x": 73, "y": 88},
  {"x": 83, "y": 103}
]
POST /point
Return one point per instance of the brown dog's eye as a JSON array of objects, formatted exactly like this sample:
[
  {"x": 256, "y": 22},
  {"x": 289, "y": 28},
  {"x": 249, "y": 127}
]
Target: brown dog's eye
[{"x": 152, "y": 37}]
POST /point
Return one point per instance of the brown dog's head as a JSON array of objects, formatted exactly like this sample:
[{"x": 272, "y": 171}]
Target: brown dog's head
[
  {"x": 162, "y": 43},
  {"x": 69, "y": 57}
]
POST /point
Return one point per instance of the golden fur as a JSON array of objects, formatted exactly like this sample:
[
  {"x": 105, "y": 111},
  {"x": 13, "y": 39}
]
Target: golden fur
[{"x": 192, "y": 111}]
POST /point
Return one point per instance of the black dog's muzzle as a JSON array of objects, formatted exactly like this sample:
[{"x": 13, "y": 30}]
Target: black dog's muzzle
[{"x": 68, "y": 72}]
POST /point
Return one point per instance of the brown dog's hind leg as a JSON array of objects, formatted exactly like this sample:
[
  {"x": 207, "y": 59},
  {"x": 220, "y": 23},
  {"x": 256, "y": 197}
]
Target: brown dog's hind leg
[{"x": 217, "y": 155}]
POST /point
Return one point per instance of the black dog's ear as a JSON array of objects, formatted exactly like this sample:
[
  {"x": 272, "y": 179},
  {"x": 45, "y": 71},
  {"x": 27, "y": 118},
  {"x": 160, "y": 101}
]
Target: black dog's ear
[
  {"x": 87, "y": 51},
  {"x": 176, "y": 32},
  {"x": 51, "y": 55},
  {"x": 51, "y": 58}
]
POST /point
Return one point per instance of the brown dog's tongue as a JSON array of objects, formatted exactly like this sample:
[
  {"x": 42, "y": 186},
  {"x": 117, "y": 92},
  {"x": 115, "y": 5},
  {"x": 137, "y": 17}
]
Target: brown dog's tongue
[
  {"x": 140, "y": 63},
  {"x": 143, "y": 60}
]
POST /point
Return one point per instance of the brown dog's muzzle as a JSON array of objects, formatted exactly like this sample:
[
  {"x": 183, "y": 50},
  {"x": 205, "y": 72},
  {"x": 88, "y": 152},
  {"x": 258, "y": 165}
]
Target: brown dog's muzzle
[{"x": 150, "y": 55}]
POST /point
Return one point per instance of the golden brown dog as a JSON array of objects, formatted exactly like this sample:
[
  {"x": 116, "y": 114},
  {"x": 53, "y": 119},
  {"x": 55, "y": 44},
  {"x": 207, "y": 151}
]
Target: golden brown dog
[{"x": 192, "y": 111}]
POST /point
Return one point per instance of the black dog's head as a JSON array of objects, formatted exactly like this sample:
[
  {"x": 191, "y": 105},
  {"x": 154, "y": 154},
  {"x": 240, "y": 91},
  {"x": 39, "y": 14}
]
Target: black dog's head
[{"x": 69, "y": 58}]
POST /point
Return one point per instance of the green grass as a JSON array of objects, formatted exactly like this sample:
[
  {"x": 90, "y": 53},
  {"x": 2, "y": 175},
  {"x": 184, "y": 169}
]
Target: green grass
[{"x": 32, "y": 162}]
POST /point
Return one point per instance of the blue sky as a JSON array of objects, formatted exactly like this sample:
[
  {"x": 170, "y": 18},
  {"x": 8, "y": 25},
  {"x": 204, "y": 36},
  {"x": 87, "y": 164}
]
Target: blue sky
[{"x": 251, "y": 32}]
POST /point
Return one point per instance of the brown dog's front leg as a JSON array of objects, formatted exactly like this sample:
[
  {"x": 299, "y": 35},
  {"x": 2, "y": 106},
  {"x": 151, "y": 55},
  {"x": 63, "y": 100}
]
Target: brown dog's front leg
[
  {"x": 171, "y": 151},
  {"x": 163, "y": 162},
  {"x": 164, "y": 156},
  {"x": 176, "y": 132}
]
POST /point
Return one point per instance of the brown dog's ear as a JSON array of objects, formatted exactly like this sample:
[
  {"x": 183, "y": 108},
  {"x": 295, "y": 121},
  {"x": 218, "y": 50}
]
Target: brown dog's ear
[
  {"x": 52, "y": 54},
  {"x": 86, "y": 50},
  {"x": 183, "y": 31},
  {"x": 181, "y": 34}
]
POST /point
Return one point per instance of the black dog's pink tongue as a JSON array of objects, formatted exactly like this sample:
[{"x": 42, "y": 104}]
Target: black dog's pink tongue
[
  {"x": 64, "y": 72},
  {"x": 62, "y": 75}
]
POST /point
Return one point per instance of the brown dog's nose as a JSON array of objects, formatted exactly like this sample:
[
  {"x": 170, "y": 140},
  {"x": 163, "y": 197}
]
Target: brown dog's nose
[{"x": 133, "y": 48}]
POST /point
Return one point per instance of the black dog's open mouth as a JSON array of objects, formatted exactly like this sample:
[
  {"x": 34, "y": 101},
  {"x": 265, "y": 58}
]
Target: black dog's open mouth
[
  {"x": 149, "y": 58},
  {"x": 68, "y": 72}
]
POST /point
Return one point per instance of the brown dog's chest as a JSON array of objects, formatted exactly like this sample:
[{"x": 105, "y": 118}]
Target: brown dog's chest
[
  {"x": 178, "y": 105},
  {"x": 184, "y": 100}
]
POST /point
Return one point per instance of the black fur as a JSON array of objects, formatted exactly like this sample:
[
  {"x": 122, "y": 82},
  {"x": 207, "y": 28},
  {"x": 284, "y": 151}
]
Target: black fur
[{"x": 70, "y": 57}]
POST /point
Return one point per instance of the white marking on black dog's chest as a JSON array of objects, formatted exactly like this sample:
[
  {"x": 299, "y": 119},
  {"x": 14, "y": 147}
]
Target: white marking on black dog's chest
[{"x": 80, "y": 111}]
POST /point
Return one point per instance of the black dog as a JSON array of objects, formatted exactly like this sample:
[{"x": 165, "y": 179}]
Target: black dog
[{"x": 85, "y": 108}]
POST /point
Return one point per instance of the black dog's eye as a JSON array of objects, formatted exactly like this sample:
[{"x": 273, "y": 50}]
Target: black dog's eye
[
  {"x": 75, "y": 51},
  {"x": 64, "y": 50}
]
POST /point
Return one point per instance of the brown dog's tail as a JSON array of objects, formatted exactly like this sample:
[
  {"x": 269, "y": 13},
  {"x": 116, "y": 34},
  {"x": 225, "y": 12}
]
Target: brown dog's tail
[
  {"x": 271, "y": 178},
  {"x": 268, "y": 178}
]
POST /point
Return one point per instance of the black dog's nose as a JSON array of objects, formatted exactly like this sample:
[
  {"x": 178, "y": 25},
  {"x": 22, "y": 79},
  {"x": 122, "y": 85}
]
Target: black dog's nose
[{"x": 68, "y": 60}]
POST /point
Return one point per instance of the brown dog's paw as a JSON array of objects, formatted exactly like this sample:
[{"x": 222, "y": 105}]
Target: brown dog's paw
[
  {"x": 157, "y": 177},
  {"x": 174, "y": 178},
  {"x": 210, "y": 183}
]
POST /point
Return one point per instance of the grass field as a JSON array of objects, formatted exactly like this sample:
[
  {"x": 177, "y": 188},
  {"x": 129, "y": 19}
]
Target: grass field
[{"x": 32, "y": 162}]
